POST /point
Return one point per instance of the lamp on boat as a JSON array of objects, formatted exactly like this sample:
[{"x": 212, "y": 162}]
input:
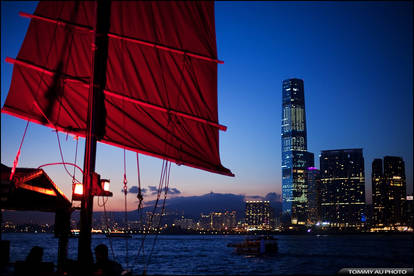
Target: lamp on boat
[
  {"x": 105, "y": 184},
  {"x": 77, "y": 192},
  {"x": 78, "y": 189},
  {"x": 100, "y": 187}
]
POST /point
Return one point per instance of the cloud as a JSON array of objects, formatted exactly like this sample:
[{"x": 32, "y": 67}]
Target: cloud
[
  {"x": 171, "y": 191},
  {"x": 134, "y": 190},
  {"x": 153, "y": 190}
]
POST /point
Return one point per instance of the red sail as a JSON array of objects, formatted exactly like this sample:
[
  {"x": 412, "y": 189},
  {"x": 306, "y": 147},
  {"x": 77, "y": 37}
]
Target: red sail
[{"x": 160, "y": 96}]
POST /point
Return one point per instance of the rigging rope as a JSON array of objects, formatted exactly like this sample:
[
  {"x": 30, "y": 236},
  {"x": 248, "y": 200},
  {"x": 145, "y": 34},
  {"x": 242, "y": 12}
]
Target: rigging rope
[
  {"x": 107, "y": 226},
  {"x": 125, "y": 211},
  {"x": 141, "y": 248},
  {"x": 164, "y": 181},
  {"x": 139, "y": 195},
  {"x": 63, "y": 160},
  {"x": 74, "y": 171},
  {"x": 167, "y": 180},
  {"x": 140, "y": 207},
  {"x": 16, "y": 159},
  {"x": 165, "y": 168},
  {"x": 76, "y": 157}
]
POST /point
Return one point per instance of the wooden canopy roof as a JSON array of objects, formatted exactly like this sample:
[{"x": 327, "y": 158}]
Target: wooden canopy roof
[{"x": 30, "y": 189}]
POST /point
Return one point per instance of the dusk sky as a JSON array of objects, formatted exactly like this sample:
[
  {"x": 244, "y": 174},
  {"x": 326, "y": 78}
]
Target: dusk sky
[{"x": 357, "y": 65}]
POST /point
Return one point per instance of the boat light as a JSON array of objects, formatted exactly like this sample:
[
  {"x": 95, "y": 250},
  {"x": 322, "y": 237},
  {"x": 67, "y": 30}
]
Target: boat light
[
  {"x": 78, "y": 189},
  {"x": 105, "y": 184}
]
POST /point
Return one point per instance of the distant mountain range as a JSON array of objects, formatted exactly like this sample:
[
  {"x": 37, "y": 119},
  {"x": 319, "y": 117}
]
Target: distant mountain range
[{"x": 189, "y": 207}]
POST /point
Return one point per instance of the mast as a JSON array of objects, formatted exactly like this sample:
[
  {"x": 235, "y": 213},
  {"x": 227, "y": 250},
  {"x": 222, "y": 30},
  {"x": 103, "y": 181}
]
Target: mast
[{"x": 95, "y": 115}]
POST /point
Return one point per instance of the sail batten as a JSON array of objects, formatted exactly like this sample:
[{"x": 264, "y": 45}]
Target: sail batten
[
  {"x": 158, "y": 100},
  {"x": 80, "y": 133},
  {"x": 85, "y": 83},
  {"x": 117, "y": 36}
]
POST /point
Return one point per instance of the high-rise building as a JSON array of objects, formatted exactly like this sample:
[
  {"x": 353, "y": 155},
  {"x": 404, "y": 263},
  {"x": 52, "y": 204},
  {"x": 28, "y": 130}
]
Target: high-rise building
[
  {"x": 205, "y": 222},
  {"x": 258, "y": 215},
  {"x": 223, "y": 220},
  {"x": 218, "y": 221},
  {"x": 343, "y": 187},
  {"x": 313, "y": 180},
  {"x": 153, "y": 220},
  {"x": 295, "y": 157},
  {"x": 394, "y": 176},
  {"x": 379, "y": 193},
  {"x": 184, "y": 223},
  {"x": 389, "y": 192},
  {"x": 229, "y": 220},
  {"x": 409, "y": 211}
]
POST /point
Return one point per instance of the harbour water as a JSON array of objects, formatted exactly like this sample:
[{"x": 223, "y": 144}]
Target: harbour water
[{"x": 209, "y": 254}]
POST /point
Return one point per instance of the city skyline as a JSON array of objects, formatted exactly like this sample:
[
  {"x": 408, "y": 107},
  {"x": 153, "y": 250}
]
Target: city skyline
[{"x": 360, "y": 109}]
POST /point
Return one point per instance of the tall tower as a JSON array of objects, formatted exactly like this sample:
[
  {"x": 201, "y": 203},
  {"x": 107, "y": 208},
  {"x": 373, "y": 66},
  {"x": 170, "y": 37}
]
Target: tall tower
[
  {"x": 379, "y": 193},
  {"x": 295, "y": 157},
  {"x": 394, "y": 176},
  {"x": 343, "y": 187},
  {"x": 313, "y": 180}
]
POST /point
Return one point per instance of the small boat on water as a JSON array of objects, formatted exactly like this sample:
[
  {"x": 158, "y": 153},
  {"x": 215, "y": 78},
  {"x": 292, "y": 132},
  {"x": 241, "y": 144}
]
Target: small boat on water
[
  {"x": 74, "y": 234},
  {"x": 259, "y": 245},
  {"x": 118, "y": 234}
]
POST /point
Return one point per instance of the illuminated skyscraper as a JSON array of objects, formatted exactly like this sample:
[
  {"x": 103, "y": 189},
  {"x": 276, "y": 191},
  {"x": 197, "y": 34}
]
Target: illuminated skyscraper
[
  {"x": 259, "y": 215},
  {"x": 343, "y": 187},
  {"x": 394, "y": 175},
  {"x": 218, "y": 221},
  {"x": 409, "y": 211},
  {"x": 379, "y": 193},
  {"x": 389, "y": 191},
  {"x": 295, "y": 157},
  {"x": 313, "y": 181}
]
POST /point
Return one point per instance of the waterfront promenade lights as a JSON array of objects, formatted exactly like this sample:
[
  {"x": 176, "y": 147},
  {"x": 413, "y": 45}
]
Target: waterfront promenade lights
[{"x": 100, "y": 187}]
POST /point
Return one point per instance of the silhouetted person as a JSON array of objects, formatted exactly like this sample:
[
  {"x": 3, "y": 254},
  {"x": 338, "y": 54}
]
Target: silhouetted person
[
  {"x": 35, "y": 255},
  {"x": 104, "y": 266},
  {"x": 33, "y": 264}
]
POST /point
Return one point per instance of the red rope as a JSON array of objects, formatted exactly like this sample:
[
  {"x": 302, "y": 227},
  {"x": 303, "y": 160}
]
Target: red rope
[
  {"x": 60, "y": 163},
  {"x": 76, "y": 156},
  {"x": 16, "y": 159},
  {"x": 63, "y": 160}
]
